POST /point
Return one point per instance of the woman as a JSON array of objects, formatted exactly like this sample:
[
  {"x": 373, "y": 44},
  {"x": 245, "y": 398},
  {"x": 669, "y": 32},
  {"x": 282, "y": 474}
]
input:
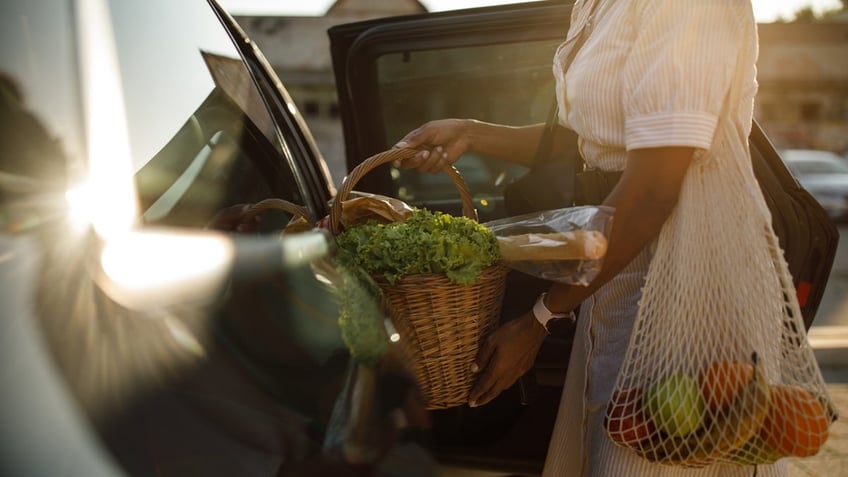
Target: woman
[{"x": 655, "y": 88}]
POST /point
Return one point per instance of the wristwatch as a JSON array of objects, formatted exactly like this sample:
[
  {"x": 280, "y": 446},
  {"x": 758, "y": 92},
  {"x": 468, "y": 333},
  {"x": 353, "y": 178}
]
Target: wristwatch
[{"x": 544, "y": 315}]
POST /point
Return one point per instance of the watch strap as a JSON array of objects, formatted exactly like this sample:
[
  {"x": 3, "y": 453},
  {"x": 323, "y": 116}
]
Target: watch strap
[{"x": 543, "y": 315}]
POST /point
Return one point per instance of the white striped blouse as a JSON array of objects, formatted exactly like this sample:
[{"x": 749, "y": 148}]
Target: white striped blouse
[
  {"x": 651, "y": 73},
  {"x": 655, "y": 73}
]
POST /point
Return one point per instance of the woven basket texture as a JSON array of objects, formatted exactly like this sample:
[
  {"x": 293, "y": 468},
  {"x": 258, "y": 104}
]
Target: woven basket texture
[{"x": 441, "y": 324}]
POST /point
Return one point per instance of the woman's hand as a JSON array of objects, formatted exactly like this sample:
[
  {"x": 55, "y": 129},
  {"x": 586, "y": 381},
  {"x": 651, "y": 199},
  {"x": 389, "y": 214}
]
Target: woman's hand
[
  {"x": 440, "y": 143},
  {"x": 505, "y": 356}
]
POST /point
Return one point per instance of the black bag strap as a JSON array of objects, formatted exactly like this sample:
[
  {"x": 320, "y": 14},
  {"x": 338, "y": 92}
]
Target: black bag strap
[
  {"x": 543, "y": 153},
  {"x": 543, "y": 150}
]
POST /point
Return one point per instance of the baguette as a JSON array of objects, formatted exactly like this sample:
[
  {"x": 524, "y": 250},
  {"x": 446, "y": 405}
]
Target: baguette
[{"x": 573, "y": 245}]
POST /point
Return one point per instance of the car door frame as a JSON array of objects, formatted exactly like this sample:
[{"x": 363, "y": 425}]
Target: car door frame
[
  {"x": 301, "y": 150},
  {"x": 354, "y": 48}
]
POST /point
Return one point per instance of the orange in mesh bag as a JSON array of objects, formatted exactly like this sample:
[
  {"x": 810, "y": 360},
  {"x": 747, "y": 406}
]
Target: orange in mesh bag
[
  {"x": 718, "y": 368},
  {"x": 796, "y": 423}
]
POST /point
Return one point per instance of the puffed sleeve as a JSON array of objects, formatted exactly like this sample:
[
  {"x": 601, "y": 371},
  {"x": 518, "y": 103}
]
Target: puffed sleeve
[{"x": 680, "y": 69}]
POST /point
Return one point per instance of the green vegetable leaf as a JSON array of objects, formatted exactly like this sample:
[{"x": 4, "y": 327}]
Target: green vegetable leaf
[
  {"x": 361, "y": 317},
  {"x": 426, "y": 242}
]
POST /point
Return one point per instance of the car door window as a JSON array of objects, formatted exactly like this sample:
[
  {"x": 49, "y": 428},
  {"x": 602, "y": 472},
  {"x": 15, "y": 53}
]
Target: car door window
[
  {"x": 502, "y": 83},
  {"x": 201, "y": 136},
  {"x": 203, "y": 140}
]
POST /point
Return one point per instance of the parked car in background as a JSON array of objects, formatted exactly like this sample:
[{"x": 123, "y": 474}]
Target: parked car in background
[
  {"x": 146, "y": 332},
  {"x": 825, "y": 175}
]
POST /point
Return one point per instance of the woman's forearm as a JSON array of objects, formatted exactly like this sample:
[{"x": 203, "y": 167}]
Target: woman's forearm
[
  {"x": 516, "y": 144},
  {"x": 643, "y": 200},
  {"x": 441, "y": 142}
]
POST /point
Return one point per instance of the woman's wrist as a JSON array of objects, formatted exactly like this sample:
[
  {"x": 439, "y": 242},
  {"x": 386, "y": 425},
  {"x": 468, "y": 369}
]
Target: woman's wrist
[
  {"x": 535, "y": 325},
  {"x": 516, "y": 144},
  {"x": 476, "y": 132},
  {"x": 544, "y": 315},
  {"x": 562, "y": 298}
]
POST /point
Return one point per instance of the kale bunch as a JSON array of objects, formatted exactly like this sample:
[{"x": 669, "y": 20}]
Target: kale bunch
[
  {"x": 426, "y": 242},
  {"x": 361, "y": 319}
]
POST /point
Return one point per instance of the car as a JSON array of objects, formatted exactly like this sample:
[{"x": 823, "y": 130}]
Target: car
[
  {"x": 141, "y": 334},
  {"x": 824, "y": 174},
  {"x": 149, "y": 329}
]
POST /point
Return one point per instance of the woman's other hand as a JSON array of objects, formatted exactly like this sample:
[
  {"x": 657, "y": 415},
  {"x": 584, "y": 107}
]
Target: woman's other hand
[
  {"x": 505, "y": 356},
  {"x": 440, "y": 143}
]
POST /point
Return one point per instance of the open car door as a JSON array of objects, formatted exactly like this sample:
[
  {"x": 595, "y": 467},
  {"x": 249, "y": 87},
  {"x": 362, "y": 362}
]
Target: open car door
[{"x": 492, "y": 64}]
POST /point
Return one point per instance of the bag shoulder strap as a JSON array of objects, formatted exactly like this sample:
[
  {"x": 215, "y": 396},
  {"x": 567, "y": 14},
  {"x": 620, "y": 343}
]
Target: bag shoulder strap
[{"x": 543, "y": 150}]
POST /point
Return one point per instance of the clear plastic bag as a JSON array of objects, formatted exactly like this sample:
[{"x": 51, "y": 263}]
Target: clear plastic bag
[{"x": 564, "y": 245}]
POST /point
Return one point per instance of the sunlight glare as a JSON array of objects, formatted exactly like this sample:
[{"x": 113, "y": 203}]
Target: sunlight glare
[
  {"x": 109, "y": 196},
  {"x": 79, "y": 206},
  {"x": 168, "y": 266}
]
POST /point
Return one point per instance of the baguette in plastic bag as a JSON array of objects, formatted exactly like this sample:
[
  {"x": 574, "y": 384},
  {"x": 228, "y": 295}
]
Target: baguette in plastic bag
[{"x": 564, "y": 245}]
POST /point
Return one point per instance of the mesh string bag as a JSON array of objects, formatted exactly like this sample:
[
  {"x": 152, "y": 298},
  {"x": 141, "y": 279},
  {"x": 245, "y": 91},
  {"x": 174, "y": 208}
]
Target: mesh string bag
[{"x": 718, "y": 368}]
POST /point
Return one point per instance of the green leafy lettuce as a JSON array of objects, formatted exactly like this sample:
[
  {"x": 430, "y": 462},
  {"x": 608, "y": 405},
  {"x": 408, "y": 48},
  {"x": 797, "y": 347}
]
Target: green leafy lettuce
[
  {"x": 361, "y": 317},
  {"x": 426, "y": 242}
]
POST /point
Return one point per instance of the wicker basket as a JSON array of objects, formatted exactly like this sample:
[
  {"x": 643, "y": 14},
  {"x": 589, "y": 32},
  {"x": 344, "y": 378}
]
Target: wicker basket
[
  {"x": 298, "y": 212},
  {"x": 275, "y": 204},
  {"x": 441, "y": 324}
]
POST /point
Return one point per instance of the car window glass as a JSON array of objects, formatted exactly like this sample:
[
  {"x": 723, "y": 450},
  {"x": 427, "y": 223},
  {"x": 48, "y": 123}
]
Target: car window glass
[
  {"x": 201, "y": 139},
  {"x": 814, "y": 167},
  {"x": 815, "y": 162},
  {"x": 828, "y": 167},
  {"x": 203, "y": 144},
  {"x": 509, "y": 84},
  {"x": 201, "y": 136}
]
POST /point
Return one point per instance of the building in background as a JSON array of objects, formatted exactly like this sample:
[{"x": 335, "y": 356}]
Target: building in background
[
  {"x": 803, "y": 75},
  {"x": 802, "y": 71}
]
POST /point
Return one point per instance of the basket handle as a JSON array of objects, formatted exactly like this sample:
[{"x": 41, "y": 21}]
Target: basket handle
[
  {"x": 385, "y": 157},
  {"x": 275, "y": 204}
]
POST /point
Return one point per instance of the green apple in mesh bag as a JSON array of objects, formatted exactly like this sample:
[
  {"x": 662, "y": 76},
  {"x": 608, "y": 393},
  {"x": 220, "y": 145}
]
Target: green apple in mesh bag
[{"x": 675, "y": 404}]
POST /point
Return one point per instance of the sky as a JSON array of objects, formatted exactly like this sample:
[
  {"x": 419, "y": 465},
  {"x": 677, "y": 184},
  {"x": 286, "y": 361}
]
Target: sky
[{"x": 764, "y": 10}]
